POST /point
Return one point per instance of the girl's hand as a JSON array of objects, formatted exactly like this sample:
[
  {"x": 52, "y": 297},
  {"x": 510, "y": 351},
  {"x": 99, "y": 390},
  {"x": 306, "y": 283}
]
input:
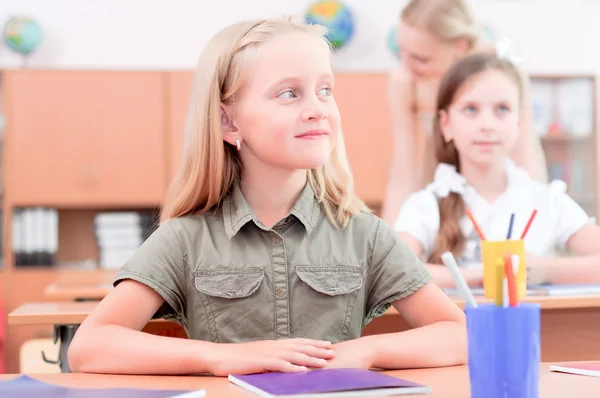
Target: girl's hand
[
  {"x": 536, "y": 270},
  {"x": 358, "y": 353},
  {"x": 291, "y": 355},
  {"x": 473, "y": 274}
]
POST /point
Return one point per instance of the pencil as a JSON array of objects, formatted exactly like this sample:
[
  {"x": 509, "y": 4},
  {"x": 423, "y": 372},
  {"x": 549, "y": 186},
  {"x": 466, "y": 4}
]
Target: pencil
[
  {"x": 528, "y": 224},
  {"x": 463, "y": 289},
  {"x": 475, "y": 225},
  {"x": 510, "y": 226},
  {"x": 511, "y": 280},
  {"x": 499, "y": 283}
]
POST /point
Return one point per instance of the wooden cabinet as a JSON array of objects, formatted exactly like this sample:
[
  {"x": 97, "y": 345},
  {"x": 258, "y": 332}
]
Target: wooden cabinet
[
  {"x": 367, "y": 126},
  {"x": 85, "y": 138}
]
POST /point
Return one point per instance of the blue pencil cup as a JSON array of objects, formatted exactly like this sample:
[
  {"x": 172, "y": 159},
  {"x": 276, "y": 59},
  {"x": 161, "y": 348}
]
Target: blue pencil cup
[{"x": 504, "y": 350}]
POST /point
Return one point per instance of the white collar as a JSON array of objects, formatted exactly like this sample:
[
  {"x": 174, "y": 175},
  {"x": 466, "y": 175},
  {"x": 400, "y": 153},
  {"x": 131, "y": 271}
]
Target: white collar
[{"x": 447, "y": 179}]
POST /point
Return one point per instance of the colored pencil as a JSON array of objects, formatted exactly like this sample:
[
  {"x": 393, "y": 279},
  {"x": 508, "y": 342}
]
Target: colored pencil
[
  {"x": 528, "y": 224},
  {"x": 463, "y": 289},
  {"x": 511, "y": 280},
  {"x": 475, "y": 225},
  {"x": 510, "y": 226},
  {"x": 499, "y": 283}
]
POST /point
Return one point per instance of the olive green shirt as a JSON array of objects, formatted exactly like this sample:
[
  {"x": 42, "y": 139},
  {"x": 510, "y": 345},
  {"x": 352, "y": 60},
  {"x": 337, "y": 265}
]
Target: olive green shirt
[{"x": 225, "y": 277}]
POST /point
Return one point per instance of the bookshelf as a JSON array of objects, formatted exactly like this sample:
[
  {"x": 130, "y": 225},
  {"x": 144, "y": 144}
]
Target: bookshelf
[
  {"x": 86, "y": 164},
  {"x": 564, "y": 109}
]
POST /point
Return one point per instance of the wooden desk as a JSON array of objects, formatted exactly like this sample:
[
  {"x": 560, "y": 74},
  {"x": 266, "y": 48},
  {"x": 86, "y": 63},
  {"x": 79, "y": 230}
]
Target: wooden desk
[
  {"x": 58, "y": 292},
  {"x": 77, "y": 293},
  {"x": 66, "y": 318},
  {"x": 451, "y": 382},
  {"x": 80, "y": 286},
  {"x": 570, "y": 325}
]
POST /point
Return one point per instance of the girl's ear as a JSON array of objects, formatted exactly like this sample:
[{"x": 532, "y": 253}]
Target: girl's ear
[
  {"x": 229, "y": 131},
  {"x": 461, "y": 48},
  {"x": 445, "y": 126}
]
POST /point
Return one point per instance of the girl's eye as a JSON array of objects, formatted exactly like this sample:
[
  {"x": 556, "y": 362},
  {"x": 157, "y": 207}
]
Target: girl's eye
[
  {"x": 502, "y": 109},
  {"x": 287, "y": 94},
  {"x": 326, "y": 91},
  {"x": 470, "y": 109}
]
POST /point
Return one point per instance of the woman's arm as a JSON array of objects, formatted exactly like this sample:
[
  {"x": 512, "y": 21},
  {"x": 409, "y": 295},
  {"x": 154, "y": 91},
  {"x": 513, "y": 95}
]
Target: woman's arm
[
  {"x": 440, "y": 274},
  {"x": 582, "y": 268},
  {"x": 402, "y": 177},
  {"x": 528, "y": 152}
]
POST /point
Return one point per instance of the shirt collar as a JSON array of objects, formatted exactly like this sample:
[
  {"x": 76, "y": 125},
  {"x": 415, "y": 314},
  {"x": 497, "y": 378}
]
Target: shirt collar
[{"x": 237, "y": 212}]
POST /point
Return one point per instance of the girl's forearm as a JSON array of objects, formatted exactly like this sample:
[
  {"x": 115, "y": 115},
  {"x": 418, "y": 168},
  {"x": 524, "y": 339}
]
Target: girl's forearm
[
  {"x": 443, "y": 278},
  {"x": 435, "y": 345},
  {"x": 572, "y": 269},
  {"x": 119, "y": 350}
]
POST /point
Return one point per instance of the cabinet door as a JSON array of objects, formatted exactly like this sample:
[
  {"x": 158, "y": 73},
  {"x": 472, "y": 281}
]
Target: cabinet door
[
  {"x": 86, "y": 138},
  {"x": 367, "y": 130},
  {"x": 180, "y": 89}
]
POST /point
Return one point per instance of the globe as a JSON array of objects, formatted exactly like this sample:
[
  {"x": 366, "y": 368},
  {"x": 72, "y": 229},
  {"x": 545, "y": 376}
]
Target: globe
[
  {"x": 489, "y": 33},
  {"x": 392, "y": 42},
  {"x": 336, "y": 17},
  {"x": 23, "y": 35}
]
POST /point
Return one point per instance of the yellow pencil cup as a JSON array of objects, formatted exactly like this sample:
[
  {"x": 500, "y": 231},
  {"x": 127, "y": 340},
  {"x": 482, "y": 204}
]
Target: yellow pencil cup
[{"x": 493, "y": 251}]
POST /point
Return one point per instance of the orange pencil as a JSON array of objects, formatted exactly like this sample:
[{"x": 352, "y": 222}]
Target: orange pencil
[
  {"x": 475, "y": 225},
  {"x": 528, "y": 224},
  {"x": 511, "y": 280}
]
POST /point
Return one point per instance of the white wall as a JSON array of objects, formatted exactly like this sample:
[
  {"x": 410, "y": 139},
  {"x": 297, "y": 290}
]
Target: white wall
[{"x": 154, "y": 34}]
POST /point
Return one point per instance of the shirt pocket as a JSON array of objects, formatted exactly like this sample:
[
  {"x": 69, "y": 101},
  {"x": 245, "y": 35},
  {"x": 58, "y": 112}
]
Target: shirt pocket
[
  {"x": 231, "y": 298},
  {"x": 329, "y": 296}
]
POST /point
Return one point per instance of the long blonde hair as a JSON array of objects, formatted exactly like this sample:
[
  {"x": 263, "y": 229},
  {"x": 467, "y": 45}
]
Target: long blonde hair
[
  {"x": 446, "y": 20},
  {"x": 209, "y": 166},
  {"x": 452, "y": 207}
]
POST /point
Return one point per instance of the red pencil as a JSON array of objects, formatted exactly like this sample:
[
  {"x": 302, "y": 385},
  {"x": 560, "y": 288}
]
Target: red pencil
[
  {"x": 511, "y": 280},
  {"x": 528, "y": 224},
  {"x": 479, "y": 231}
]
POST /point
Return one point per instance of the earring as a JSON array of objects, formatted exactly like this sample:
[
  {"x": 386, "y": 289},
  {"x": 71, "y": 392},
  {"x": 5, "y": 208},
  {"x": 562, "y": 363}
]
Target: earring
[{"x": 238, "y": 144}]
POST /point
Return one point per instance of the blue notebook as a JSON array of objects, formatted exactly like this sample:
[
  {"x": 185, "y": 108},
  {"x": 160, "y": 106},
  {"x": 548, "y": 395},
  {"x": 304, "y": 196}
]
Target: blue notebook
[{"x": 27, "y": 387}]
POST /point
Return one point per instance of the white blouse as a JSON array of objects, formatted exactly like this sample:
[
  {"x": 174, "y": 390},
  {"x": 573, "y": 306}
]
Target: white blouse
[{"x": 558, "y": 216}]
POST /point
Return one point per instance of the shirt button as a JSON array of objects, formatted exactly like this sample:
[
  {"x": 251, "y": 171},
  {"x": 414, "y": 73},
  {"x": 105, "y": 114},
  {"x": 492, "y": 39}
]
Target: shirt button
[
  {"x": 280, "y": 293},
  {"x": 275, "y": 239}
]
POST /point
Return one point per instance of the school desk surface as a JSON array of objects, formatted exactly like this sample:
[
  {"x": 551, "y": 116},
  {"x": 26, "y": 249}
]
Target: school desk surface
[
  {"x": 77, "y": 292},
  {"x": 444, "y": 382},
  {"x": 569, "y": 325}
]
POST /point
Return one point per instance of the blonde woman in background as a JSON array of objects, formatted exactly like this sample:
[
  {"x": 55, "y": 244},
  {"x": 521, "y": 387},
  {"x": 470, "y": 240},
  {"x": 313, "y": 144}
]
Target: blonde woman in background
[{"x": 432, "y": 36}]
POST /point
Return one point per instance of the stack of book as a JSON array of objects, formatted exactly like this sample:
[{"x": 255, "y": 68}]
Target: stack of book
[{"x": 120, "y": 234}]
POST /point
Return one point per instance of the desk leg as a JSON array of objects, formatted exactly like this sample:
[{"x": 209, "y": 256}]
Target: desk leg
[{"x": 65, "y": 333}]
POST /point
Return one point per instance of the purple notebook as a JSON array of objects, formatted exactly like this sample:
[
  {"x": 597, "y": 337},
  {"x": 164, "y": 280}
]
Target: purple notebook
[
  {"x": 327, "y": 382},
  {"x": 28, "y": 387}
]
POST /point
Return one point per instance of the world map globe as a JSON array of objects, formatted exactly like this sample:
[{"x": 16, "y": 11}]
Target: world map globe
[
  {"x": 336, "y": 17},
  {"x": 23, "y": 35},
  {"x": 392, "y": 42}
]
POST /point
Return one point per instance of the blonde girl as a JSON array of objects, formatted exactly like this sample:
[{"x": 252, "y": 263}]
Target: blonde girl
[{"x": 264, "y": 254}]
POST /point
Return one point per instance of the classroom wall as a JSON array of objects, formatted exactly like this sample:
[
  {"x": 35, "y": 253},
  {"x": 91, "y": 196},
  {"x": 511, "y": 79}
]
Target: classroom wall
[{"x": 154, "y": 34}]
